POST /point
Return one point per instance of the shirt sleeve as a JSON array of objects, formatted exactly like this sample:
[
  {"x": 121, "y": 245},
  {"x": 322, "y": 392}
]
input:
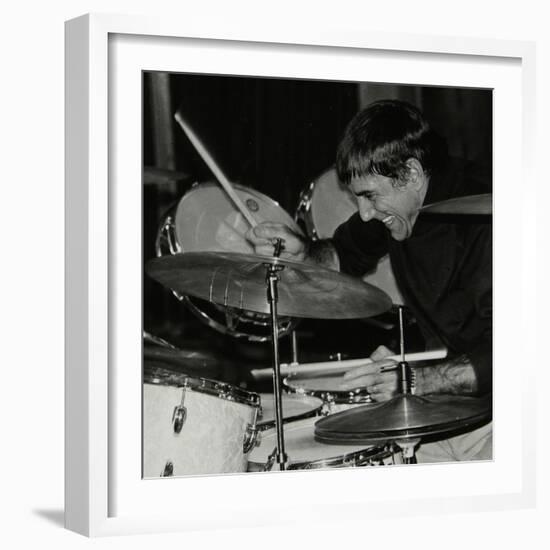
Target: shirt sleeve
[
  {"x": 481, "y": 357},
  {"x": 360, "y": 245},
  {"x": 480, "y": 351}
]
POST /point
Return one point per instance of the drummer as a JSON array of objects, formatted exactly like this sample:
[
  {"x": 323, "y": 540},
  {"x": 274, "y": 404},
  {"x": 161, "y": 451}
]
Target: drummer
[{"x": 393, "y": 163}]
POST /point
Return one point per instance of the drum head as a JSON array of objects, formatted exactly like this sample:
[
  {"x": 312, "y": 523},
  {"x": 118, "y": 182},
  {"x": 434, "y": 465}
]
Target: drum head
[
  {"x": 294, "y": 407},
  {"x": 300, "y": 445},
  {"x": 207, "y": 219},
  {"x": 331, "y": 204}
]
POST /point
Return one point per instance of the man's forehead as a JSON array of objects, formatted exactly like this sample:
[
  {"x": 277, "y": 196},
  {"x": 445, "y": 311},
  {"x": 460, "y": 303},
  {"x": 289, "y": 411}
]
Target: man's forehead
[{"x": 368, "y": 182}]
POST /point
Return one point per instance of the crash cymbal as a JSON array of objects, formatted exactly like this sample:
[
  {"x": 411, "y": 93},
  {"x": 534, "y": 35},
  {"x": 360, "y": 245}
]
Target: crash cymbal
[
  {"x": 239, "y": 281},
  {"x": 192, "y": 358},
  {"x": 404, "y": 416},
  {"x": 472, "y": 204},
  {"x": 194, "y": 367}
]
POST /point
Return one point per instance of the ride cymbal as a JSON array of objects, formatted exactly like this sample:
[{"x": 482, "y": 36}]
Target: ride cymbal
[
  {"x": 471, "y": 204},
  {"x": 239, "y": 281}
]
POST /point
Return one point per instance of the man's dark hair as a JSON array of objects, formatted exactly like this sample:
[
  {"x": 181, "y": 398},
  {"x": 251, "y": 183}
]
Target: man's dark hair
[{"x": 382, "y": 137}]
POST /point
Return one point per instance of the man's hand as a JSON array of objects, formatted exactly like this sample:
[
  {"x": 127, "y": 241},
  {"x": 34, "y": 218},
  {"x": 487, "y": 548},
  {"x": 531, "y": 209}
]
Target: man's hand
[
  {"x": 264, "y": 236},
  {"x": 380, "y": 385},
  {"x": 296, "y": 246}
]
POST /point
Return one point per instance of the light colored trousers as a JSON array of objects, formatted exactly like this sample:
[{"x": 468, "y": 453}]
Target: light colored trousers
[{"x": 474, "y": 445}]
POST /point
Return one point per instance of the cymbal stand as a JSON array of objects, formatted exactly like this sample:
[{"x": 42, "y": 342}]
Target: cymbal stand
[
  {"x": 407, "y": 446},
  {"x": 272, "y": 278}
]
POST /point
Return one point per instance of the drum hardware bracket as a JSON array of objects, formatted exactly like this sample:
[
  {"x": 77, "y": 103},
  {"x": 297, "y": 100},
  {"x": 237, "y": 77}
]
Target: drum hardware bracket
[
  {"x": 407, "y": 447},
  {"x": 168, "y": 469},
  {"x": 252, "y": 438},
  {"x": 270, "y": 460},
  {"x": 252, "y": 435},
  {"x": 405, "y": 378},
  {"x": 179, "y": 416},
  {"x": 282, "y": 459}
]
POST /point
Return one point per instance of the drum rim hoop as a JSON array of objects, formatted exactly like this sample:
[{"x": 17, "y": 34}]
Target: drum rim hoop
[
  {"x": 346, "y": 460},
  {"x": 208, "y": 386},
  {"x": 338, "y": 397}
]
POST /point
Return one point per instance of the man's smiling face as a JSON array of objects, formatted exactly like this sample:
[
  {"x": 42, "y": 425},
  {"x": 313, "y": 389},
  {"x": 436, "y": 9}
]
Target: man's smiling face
[{"x": 395, "y": 205}]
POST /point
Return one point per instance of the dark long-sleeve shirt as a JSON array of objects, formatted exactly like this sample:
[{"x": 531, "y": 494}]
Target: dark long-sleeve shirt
[{"x": 443, "y": 270}]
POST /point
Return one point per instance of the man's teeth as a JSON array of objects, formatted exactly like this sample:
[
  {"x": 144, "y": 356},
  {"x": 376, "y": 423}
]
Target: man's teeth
[{"x": 388, "y": 220}]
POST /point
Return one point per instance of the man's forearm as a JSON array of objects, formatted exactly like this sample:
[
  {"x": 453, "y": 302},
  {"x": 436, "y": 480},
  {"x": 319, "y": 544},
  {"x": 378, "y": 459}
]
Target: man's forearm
[
  {"x": 456, "y": 377},
  {"x": 323, "y": 253}
]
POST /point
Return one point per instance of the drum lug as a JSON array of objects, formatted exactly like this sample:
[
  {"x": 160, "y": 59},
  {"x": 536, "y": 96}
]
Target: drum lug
[
  {"x": 252, "y": 438},
  {"x": 168, "y": 469},
  {"x": 179, "y": 416},
  {"x": 268, "y": 466},
  {"x": 328, "y": 404}
]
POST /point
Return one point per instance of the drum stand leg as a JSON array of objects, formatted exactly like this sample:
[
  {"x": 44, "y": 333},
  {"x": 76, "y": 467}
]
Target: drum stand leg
[
  {"x": 272, "y": 279},
  {"x": 407, "y": 446}
]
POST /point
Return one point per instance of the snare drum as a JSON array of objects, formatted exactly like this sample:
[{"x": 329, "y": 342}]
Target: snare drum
[
  {"x": 205, "y": 219},
  {"x": 295, "y": 407},
  {"x": 195, "y": 426},
  {"x": 327, "y": 388},
  {"x": 323, "y": 206},
  {"x": 304, "y": 453}
]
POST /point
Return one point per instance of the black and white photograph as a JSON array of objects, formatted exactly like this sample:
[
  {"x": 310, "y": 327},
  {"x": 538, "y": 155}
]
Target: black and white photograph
[
  {"x": 317, "y": 274},
  {"x": 275, "y": 274}
]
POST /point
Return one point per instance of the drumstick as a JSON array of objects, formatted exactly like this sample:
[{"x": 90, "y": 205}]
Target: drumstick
[
  {"x": 335, "y": 367},
  {"x": 220, "y": 176}
]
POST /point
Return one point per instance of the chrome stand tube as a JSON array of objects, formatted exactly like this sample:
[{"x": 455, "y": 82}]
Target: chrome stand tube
[{"x": 272, "y": 296}]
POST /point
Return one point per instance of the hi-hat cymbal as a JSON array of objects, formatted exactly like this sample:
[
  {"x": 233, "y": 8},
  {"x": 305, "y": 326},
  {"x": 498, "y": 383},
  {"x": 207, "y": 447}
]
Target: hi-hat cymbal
[
  {"x": 471, "y": 204},
  {"x": 405, "y": 416},
  {"x": 239, "y": 281}
]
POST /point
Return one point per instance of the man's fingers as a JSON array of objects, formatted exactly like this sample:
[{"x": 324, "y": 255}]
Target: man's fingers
[{"x": 370, "y": 368}]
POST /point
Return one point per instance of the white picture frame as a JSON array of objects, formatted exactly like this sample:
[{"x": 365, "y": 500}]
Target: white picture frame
[{"x": 103, "y": 53}]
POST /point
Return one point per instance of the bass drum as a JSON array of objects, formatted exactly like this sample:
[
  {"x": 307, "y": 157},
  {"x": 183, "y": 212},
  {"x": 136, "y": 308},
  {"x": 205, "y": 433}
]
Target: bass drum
[
  {"x": 323, "y": 206},
  {"x": 195, "y": 426},
  {"x": 205, "y": 219}
]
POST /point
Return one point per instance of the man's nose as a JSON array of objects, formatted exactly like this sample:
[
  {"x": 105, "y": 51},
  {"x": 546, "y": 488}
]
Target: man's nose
[{"x": 366, "y": 209}]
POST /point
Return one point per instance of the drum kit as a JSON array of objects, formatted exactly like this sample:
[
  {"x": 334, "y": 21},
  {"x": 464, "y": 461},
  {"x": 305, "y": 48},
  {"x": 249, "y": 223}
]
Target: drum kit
[{"x": 194, "y": 425}]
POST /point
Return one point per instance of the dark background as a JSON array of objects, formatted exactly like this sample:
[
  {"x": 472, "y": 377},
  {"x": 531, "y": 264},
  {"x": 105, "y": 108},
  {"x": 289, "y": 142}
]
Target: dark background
[{"x": 275, "y": 136}]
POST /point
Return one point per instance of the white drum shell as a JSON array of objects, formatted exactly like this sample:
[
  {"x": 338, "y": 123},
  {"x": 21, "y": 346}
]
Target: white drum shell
[{"x": 211, "y": 439}]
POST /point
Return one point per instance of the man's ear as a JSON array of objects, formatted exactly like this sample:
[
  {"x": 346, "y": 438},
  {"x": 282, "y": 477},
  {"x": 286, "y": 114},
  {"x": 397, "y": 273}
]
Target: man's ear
[{"x": 416, "y": 177}]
